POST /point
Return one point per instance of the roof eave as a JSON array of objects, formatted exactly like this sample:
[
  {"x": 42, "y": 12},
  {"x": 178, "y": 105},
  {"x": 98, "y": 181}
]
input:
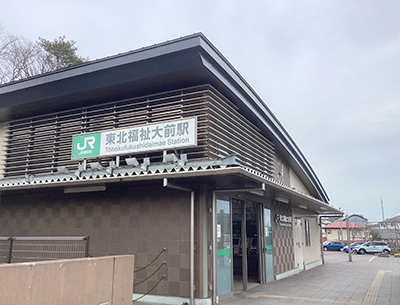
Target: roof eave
[
  {"x": 246, "y": 93},
  {"x": 212, "y": 60}
]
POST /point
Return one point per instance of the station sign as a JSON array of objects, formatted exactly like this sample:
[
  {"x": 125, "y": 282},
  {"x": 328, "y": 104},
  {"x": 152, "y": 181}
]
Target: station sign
[
  {"x": 283, "y": 220},
  {"x": 138, "y": 139}
]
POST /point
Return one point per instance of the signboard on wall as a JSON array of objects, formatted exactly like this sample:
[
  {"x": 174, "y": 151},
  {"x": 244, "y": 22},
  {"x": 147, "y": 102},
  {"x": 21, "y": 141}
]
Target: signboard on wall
[
  {"x": 283, "y": 220},
  {"x": 138, "y": 139}
]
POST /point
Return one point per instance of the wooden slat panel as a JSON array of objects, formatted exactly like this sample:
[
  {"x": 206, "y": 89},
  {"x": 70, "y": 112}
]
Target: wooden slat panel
[{"x": 37, "y": 145}]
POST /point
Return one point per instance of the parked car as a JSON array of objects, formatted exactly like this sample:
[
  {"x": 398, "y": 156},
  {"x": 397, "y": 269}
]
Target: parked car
[
  {"x": 333, "y": 245},
  {"x": 353, "y": 245},
  {"x": 373, "y": 247}
]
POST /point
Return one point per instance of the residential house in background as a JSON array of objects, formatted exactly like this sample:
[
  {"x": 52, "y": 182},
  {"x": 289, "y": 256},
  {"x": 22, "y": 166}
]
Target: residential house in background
[
  {"x": 390, "y": 223},
  {"x": 338, "y": 231},
  {"x": 389, "y": 231},
  {"x": 358, "y": 218}
]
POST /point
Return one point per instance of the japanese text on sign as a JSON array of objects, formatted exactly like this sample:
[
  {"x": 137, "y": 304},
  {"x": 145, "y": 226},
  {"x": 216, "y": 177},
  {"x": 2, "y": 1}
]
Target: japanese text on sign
[{"x": 162, "y": 136}]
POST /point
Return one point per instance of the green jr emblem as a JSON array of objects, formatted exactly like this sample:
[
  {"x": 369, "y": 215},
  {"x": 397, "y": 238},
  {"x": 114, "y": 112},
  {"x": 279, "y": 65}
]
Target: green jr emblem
[{"x": 86, "y": 145}]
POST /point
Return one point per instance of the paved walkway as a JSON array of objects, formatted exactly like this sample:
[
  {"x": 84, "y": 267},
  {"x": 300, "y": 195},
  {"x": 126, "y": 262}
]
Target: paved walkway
[{"x": 368, "y": 279}]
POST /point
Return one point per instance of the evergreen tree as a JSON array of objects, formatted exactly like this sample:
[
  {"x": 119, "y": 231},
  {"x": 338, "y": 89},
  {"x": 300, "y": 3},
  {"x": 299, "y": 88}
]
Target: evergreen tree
[{"x": 60, "y": 53}]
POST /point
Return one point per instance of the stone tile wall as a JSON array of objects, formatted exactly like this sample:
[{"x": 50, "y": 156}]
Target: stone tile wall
[
  {"x": 282, "y": 239},
  {"x": 122, "y": 220}
]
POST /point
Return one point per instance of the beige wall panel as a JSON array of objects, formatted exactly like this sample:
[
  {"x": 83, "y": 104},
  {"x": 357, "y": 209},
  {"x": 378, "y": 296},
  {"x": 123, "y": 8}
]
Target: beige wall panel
[
  {"x": 296, "y": 183},
  {"x": 281, "y": 170},
  {"x": 312, "y": 253}
]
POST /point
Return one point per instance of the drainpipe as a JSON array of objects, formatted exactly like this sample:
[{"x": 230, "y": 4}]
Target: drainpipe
[
  {"x": 177, "y": 187},
  {"x": 321, "y": 240}
]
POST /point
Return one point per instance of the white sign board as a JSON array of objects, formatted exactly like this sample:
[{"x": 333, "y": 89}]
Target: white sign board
[{"x": 151, "y": 137}]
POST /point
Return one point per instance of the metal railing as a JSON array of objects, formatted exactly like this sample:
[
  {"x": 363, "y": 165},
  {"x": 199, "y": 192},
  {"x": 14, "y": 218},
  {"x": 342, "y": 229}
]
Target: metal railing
[
  {"x": 160, "y": 277},
  {"x": 33, "y": 249}
]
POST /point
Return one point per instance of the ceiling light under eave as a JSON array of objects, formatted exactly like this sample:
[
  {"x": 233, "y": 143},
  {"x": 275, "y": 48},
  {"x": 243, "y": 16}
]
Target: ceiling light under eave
[
  {"x": 62, "y": 170},
  {"x": 170, "y": 158},
  {"x": 84, "y": 189},
  {"x": 132, "y": 162},
  {"x": 282, "y": 199},
  {"x": 95, "y": 166}
]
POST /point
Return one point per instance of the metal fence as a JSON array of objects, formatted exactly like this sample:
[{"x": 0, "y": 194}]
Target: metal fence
[{"x": 33, "y": 249}]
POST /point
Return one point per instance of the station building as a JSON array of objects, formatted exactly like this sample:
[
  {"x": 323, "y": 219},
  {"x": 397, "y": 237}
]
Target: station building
[{"x": 167, "y": 153}]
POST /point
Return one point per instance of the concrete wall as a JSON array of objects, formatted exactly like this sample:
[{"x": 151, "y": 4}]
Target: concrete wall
[{"x": 105, "y": 280}]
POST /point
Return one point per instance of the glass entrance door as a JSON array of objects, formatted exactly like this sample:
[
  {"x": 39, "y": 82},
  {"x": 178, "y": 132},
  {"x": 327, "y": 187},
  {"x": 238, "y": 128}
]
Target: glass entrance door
[
  {"x": 268, "y": 245},
  {"x": 224, "y": 250}
]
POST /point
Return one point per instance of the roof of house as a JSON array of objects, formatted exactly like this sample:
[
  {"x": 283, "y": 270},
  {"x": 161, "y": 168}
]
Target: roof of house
[
  {"x": 392, "y": 219},
  {"x": 358, "y": 215},
  {"x": 343, "y": 224},
  {"x": 187, "y": 61}
]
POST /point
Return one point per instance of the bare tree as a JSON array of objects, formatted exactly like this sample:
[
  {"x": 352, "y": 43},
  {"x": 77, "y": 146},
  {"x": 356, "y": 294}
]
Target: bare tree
[
  {"x": 21, "y": 58},
  {"x": 5, "y": 41},
  {"x": 5, "y": 44}
]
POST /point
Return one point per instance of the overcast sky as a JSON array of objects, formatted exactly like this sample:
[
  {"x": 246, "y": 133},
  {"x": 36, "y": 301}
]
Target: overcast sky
[{"x": 329, "y": 70}]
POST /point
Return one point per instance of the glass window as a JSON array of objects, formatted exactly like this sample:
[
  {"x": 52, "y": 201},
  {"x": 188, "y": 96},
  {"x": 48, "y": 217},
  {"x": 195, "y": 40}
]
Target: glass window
[
  {"x": 307, "y": 231},
  {"x": 224, "y": 251}
]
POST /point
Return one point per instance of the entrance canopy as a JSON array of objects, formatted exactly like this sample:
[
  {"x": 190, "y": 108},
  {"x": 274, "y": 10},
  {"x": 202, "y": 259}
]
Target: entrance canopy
[{"x": 236, "y": 178}]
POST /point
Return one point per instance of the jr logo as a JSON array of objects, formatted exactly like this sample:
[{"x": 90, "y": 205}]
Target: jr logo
[
  {"x": 87, "y": 141},
  {"x": 86, "y": 145}
]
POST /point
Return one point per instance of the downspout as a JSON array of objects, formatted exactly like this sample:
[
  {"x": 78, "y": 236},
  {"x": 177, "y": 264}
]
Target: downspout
[
  {"x": 177, "y": 187},
  {"x": 321, "y": 239}
]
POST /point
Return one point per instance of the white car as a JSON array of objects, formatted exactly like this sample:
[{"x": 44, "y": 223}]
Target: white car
[{"x": 373, "y": 247}]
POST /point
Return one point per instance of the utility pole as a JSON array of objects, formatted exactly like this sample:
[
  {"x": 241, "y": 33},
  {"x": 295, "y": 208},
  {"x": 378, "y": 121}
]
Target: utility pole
[
  {"x": 383, "y": 213},
  {"x": 341, "y": 231},
  {"x": 348, "y": 237}
]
